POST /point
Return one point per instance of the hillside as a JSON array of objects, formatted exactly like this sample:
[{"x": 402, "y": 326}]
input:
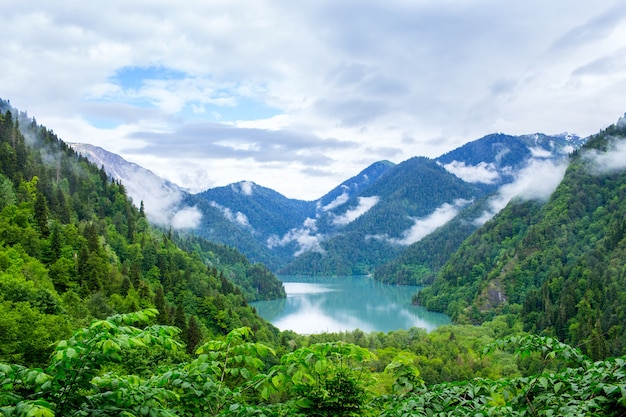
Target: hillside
[
  {"x": 74, "y": 248},
  {"x": 559, "y": 264},
  {"x": 324, "y": 237},
  {"x": 405, "y": 204}
]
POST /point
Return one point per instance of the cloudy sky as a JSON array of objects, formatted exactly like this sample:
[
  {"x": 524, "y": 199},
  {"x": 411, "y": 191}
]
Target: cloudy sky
[{"x": 299, "y": 96}]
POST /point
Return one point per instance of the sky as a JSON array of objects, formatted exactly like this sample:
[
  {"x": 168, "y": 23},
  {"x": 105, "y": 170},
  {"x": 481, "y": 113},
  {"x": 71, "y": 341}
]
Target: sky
[{"x": 300, "y": 96}]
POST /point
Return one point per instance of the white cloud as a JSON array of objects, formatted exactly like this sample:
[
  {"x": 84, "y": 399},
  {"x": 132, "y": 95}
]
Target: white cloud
[
  {"x": 187, "y": 218},
  {"x": 388, "y": 80},
  {"x": 306, "y": 237},
  {"x": 537, "y": 152},
  {"x": 535, "y": 182},
  {"x": 614, "y": 159},
  {"x": 426, "y": 225},
  {"x": 341, "y": 199},
  {"x": 365, "y": 204},
  {"x": 485, "y": 173},
  {"x": 246, "y": 187},
  {"x": 238, "y": 217}
]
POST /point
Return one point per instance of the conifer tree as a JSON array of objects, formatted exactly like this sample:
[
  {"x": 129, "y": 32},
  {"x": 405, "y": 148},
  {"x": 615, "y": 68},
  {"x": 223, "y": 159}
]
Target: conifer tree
[{"x": 194, "y": 335}]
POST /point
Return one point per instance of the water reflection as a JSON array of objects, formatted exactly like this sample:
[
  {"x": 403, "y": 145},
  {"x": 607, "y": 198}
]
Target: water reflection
[{"x": 330, "y": 304}]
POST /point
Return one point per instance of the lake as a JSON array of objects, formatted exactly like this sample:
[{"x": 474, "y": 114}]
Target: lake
[{"x": 332, "y": 304}]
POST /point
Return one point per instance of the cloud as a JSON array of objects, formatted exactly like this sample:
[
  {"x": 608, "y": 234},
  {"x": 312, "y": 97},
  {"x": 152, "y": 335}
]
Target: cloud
[
  {"x": 485, "y": 173},
  {"x": 238, "y": 217},
  {"x": 161, "y": 199},
  {"x": 364, "y": 205},
  {"x": 537, "y": 181},
  {"x": 612, "y": 160},
  {"x": 424, "y": 226},
  {"x": 306, "y": 237},
  {"x": 538, "y": 152},
  {"x": 246, "y": 187},
  {"x": 287, "y": 92},
  {"x": 341, "y": 199},
  {"x": 187, "y": 218}
]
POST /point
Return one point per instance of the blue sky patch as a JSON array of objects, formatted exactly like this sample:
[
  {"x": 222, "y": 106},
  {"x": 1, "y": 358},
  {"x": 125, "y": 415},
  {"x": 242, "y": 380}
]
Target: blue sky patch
[
  {"x": 134, "y": 77},
  {"x": 245, "y": 109}
]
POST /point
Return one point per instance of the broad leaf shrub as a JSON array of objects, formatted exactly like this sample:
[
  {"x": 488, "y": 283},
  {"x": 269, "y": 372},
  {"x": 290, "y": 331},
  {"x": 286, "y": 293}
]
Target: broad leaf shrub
[{"x": 231, "y": 376}]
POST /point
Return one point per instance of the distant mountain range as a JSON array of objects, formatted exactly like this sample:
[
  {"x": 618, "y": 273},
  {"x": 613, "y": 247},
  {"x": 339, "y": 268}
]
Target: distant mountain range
[{"x": 363, "y": 223}]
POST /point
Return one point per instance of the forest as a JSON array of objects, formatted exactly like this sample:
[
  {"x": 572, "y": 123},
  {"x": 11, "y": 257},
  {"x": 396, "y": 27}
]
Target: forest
[{"x": 103, "y": 314}]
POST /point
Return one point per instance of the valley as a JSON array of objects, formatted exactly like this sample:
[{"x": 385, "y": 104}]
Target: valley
[{"x": 110, "y": 305}]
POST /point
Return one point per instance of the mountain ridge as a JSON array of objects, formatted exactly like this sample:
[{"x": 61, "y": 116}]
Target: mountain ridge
[{"x": 276, "y": 230}]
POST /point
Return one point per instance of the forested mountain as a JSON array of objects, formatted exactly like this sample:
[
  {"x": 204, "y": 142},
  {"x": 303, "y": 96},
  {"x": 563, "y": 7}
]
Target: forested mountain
[
  {"x": 364, "y": 222},
  {"x": 161, "y": 198},
  {"x": 419, "y": 263},
  {"x": 559, "y": 264},
  {"x": 74, "y": 248},
  {"x": 390, "y": 214},
  {"x": 496, "y": 159}
]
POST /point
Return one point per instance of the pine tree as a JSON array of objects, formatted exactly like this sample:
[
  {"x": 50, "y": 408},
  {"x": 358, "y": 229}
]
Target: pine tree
[
  {"x": 41, "y": 214},
  {"x": 180, "y": 321},
  {"x": 194, "y": 335},
  {"x": 161, "y": 305}
]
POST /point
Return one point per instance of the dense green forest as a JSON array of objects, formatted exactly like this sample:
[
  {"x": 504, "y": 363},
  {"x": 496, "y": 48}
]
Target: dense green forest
[
  {"x": 73, "y": 248},
  {"x": 413, "y": 189},
  {"x": 420, "y": 262},
  {"x": 560, "y": 265},
  {"x": 102, "y": 314}
]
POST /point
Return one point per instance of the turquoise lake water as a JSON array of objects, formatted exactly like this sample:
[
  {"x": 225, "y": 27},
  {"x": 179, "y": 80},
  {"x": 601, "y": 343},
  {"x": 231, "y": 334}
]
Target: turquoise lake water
[{"x": 331, "y": 304}]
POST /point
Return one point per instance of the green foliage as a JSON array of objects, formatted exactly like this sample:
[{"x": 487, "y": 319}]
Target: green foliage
[
  {"x": 74, "y": 248},
  {"x": 582, "y": 388},
  {"x": 71, "y": 385},
  {"x": 231, "y": 377},
  {"x": 324, "y": 379},
  {"x": 558, "y": 264}
]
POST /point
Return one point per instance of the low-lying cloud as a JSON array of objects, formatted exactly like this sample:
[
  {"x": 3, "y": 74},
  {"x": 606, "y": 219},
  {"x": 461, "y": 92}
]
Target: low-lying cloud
[
  {"x": 342, "y": 199},
  {"x": 613, "y": 160},
  {"x": 245, "y": 187},
  {"x": 306, "y": 237},
  {"x": 161, "y": 199},
  {"x": 186, "y": 218},
  {"x": 537, "y": 181},
  {"x": 484, "y": 173},
  {"x": 424, "y": 226},
  {"x": 365, "y": 204},
  {"x": 238, "y": 217}
]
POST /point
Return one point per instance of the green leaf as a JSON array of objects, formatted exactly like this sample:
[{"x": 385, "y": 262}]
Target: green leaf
[
  {"x": 557, "y": 387},
  {"x": 71, "y": 353}
]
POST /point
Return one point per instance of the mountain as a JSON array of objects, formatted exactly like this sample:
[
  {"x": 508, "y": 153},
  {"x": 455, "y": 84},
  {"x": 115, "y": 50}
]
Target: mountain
[
  {"x": 406, "y": 203},
  {"x": 503, "y": 167},
  {"x": 559, "y": 264},
  {"x": 73, "y": 249},
  {"x": 364, "y": 222},
  {"x": 495, "y": 159},
  {"x": 161, "y": 198}
]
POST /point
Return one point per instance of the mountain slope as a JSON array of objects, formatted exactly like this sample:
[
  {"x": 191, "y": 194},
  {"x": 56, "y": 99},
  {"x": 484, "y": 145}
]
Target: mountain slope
[
  {"x": 504, "y": 166},
  {"x": 495, "y": 159},
  {"x": 403, "y": 205},
  {"x": 73, "y": 248},
  {"x": 296, "y": 236},
  {"x": 560, "y": 264}
]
